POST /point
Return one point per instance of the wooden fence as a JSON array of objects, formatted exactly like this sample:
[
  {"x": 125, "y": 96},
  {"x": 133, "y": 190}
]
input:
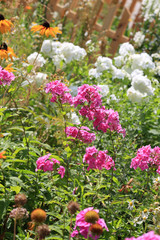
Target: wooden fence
[
  {"x": 96, "y": 19},
  {"x": 110, "y": 18}
]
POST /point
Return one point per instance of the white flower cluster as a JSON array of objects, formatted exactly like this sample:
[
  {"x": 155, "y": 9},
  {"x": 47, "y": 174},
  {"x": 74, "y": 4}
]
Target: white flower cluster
[
  {"x": 139, "y": 38},
  {"x": 150, "y": 8},
  {"x": 62, "y": 53},
  {"x": 36, "y": 59},
  {"x": 104, "y": 63},
  {"x": 129, "y": 65},
  {"x": 37, "y": 77}
]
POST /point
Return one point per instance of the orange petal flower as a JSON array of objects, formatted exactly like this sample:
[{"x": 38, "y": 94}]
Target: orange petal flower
[
  {"x": 28, "y": 7},
  {"x": 2, "y": 155},
  {"x": 9, "y": 68},
  {"x": 6, "y": 52},
  {"x": 46, "y": 30},
  {"x": 5, "y": 25}
]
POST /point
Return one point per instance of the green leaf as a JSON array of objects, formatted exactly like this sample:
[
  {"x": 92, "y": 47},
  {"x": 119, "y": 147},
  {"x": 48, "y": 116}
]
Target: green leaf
[
  {"x": 29, "y": 68},
  {"x": 116, "y": 180},
  {"x": 16, "y": 189},
  {"x": 118, "y": 223}
]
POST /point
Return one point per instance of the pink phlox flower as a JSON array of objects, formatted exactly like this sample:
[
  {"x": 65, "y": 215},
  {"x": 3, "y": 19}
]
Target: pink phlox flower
[
  {"x": 147, "y": 236},
  {"x": 98, "y": 159},
  {"x": 6, "y": 77},
  {"x": 107, "y": 119},
  {"x": 46, "y": 164},
  {"x": 83, "y": 135},
  {"x": 61, "y": 171},
  {"x": 88, "y": 94},
  {"x": 84, "y": 226},
  {"x": 59, "y": 92},
  {"x": 147, "y": 157},
  {"x": 88, "y": 98}
]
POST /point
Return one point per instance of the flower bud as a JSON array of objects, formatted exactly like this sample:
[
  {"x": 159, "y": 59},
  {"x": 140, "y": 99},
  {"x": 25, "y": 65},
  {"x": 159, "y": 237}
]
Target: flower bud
[
  {"x": 20, "y": 199},
  {"x": 42, "y": 231},
  {"x": 91, "y": 216},
  {"x": 73, "y": 207},
  {"x": 38, "y": 215}
]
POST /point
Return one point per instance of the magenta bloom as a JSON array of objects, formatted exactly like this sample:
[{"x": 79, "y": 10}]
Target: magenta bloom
[
  {"x": 46, "y": 164},
  {"x": 147, "y": 157},
  {"x": 89, "y": 98},
  {"x": 146, "y": 236},
  {"x": 83, "y": 226},
  {"x": 6, "y": 77},
  {"x": 82, "y": 134},
  {"x": 60, "y": 92},
  {"x": 107, "y": 119},
  {"x": 61, "y": 171},
  {"x": 98, "y": 159}
]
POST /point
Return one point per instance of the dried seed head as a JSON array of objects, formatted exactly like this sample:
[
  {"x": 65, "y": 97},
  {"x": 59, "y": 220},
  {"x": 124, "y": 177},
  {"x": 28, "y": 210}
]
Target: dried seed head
[
  {"x": 20, "y": 199},
  {"x": 73, "y": 207},
  {"x": 19, "y": 213},
  {"x": 91, "y": 216},
  {"x": 96, "y": 229},
  {"x": 42, "y": 231},
  {"x": 38, "y": 215}
]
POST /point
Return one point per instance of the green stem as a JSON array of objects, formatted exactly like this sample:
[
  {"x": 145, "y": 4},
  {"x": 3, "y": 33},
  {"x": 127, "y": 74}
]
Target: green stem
[
  {"x": 70, "y": 228},
  {"x": 15, "y": 223}
]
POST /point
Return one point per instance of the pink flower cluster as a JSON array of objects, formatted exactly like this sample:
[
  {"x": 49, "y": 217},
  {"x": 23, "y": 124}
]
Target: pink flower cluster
[
  {"x": 107, "y": 119},
  {"x": 6, "y": 77},
  {"x": 84, "y": 226},
  {"x": 46, "y": 164},
  {"x": 59, "y": 92},
  {"x": 89, "y": 98},
  {"x": 147, "y": 157},
  {"x": 98, "y": 159},
  {"x": 146, "y": 236},
  {"x": 82, "y": 134}
]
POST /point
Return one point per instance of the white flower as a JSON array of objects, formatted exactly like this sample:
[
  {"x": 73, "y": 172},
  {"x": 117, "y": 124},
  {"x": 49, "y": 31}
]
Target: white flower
[
  {"x": 141, "y": 61},
  {"x": 88, "y": 42},
  {"x": 144, "y": 214},
  {"x": 104, "y": 90},
  {"x": 119, "y": 61},
  {"x": 40, "y": 78},
  {"x": 157, "y": 70},
  {"x": 55, "y": 15},
  {"x": 118, "y": 73},
  {"x": 137, "y": 72},
  {"x": 103, "y": 63},
  {"x": 47, "y": 48},
  {"x": 112, "y": 97},
  {"x": 156, "y": 55},
  {"x": 131, "y": 205},
  {"x": 79, "y": 53},
  {"x": 134, "y": 95},
  {"x": 126, "y": 49},
  {"x": 142, "y": 84},
  {"x": 93, "y": 73},
  {"x": 150, "y": 8},
  {"x": 72, "y": 52},
  {"x": 36, "y": 59},
  {"x": 156, "y": 180},
  {"x": 58, "y": 60},
  {"x": 139, "y": 38},
  {"x": 74, "y": 118}
]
